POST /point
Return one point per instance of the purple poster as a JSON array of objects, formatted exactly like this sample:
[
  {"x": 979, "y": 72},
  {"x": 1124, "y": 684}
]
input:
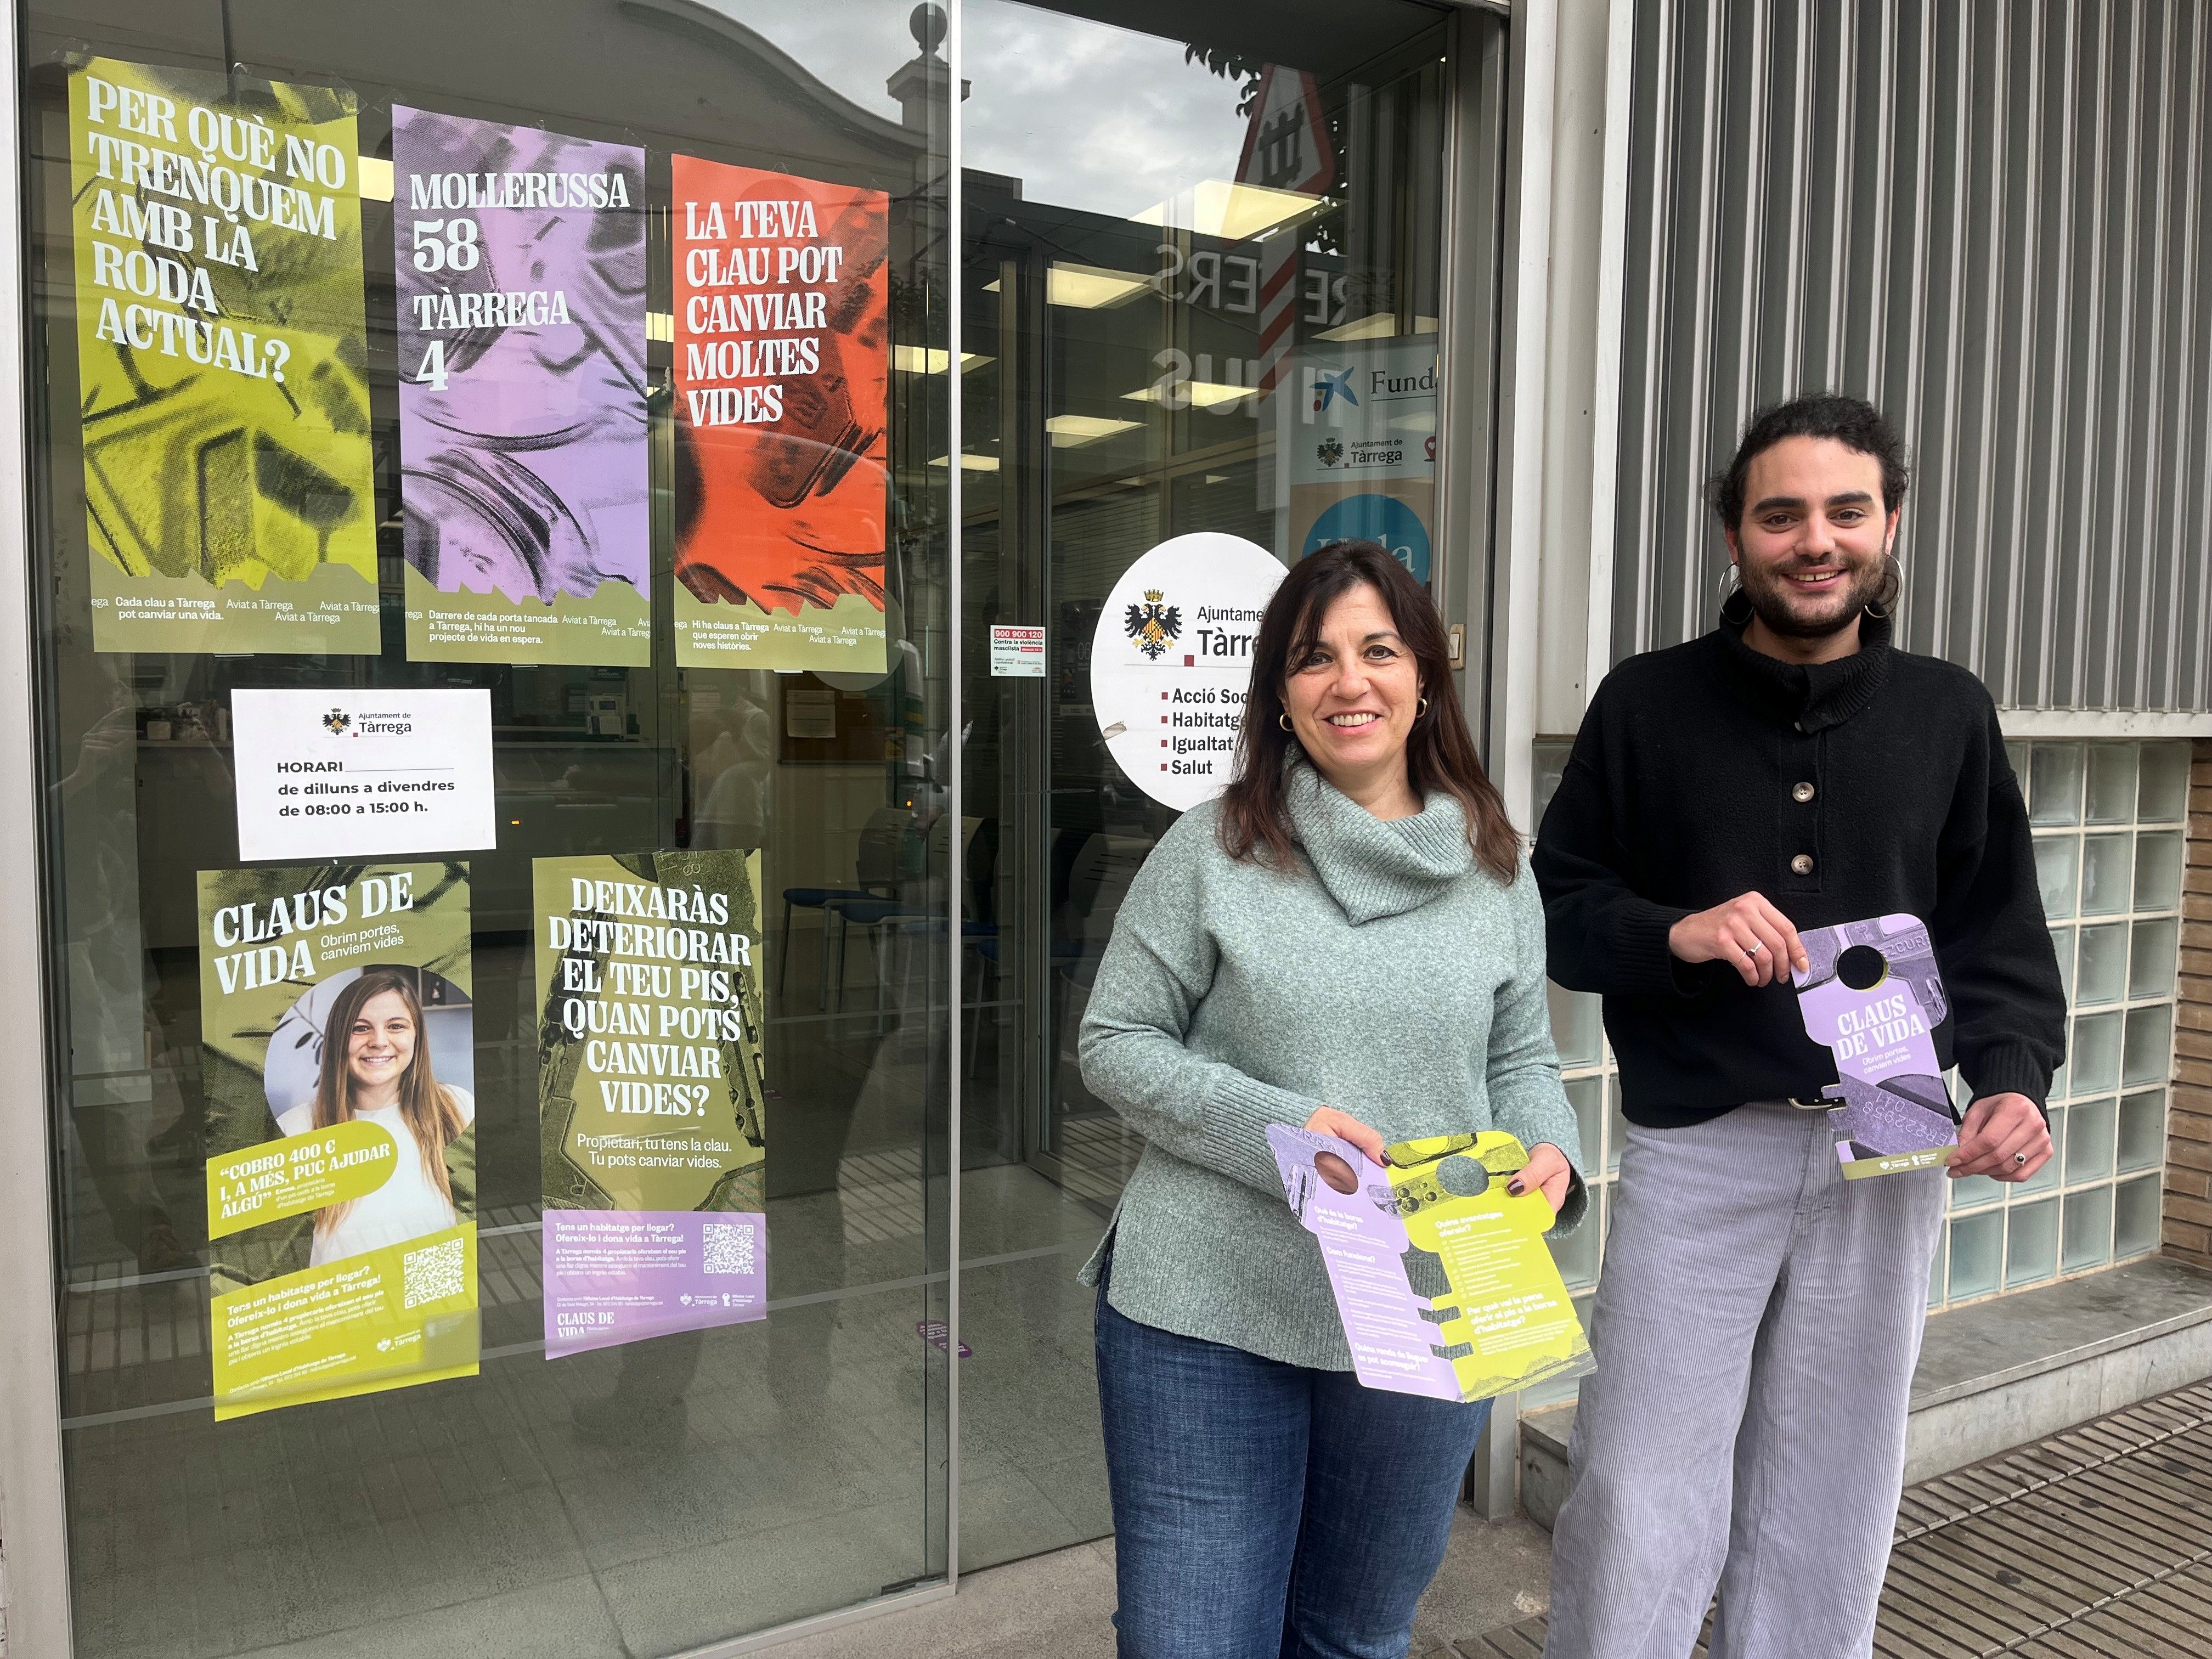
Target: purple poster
[
  {"x": 615, "y": 1276},
  {"x": 520, "y": 261}
]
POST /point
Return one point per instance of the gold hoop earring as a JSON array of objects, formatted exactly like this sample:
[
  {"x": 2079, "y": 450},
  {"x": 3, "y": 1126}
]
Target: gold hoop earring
[
  {"x": 1282, "y": 719},
  {"x": 1422, "y": 709}
]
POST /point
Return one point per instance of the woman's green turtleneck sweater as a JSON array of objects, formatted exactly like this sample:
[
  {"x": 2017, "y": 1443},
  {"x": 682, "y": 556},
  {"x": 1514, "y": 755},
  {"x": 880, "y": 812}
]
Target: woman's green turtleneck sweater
[{"x": 1390, "y": 976}]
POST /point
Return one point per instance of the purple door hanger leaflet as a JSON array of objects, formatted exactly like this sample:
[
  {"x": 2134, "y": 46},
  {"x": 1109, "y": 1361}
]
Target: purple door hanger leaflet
[
  {"x": 1346, "y": 1203},
  {"x": 1871, "y": 994},
  {"x": 520, "y": 256}
]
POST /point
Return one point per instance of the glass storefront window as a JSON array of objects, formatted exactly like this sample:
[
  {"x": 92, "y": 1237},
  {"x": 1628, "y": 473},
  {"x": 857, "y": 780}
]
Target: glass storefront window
[
  {"x": 708, "y": 1479},
  {"x": 1204, "y": 278}
]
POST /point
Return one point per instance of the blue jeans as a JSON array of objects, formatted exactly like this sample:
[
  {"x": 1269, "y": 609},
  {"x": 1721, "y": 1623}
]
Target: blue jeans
[{"x": 1267, "y": 1512}]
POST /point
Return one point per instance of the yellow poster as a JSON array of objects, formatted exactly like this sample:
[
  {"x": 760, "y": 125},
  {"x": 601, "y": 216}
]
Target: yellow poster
[
  {"x": 337, "y": 1015},
  {"x": 222, "y": 361}
]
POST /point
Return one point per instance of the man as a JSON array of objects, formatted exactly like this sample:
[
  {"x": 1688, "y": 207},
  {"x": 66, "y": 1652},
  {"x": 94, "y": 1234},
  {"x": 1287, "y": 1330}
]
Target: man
[{"x": 1759, "y": 1319}]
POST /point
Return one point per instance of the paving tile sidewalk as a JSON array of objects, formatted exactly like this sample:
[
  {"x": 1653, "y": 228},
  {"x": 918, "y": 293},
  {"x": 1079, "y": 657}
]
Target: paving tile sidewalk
[{"x": 2095, "y": 1542}]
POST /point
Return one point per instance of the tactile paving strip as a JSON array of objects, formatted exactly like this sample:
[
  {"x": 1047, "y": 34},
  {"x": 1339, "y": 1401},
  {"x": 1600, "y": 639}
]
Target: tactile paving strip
[{"x": 2093, "y": 1544}]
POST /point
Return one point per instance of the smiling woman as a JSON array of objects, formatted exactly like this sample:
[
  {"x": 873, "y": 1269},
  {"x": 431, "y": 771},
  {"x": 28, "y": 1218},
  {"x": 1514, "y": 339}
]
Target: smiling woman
[
  {"x": 376, "y": 1068},
  {"x": 1341, "y": 670},
  {"x": 1360, "y": 850}
]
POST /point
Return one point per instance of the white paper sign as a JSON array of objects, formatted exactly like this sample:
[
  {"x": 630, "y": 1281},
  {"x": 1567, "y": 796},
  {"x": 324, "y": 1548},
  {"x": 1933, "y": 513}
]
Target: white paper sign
[
  {"x": 1172, "y": 658},
  {"x": 343, "y": 773},
  {"x": 1016, "y": 653}
]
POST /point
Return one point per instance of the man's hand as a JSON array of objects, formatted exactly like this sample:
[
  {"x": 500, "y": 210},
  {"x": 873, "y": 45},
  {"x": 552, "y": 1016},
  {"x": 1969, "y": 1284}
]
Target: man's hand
[
  {"x": 1345, "y": 1126},
  {"x": 2004, "y": 1138},
  {"x": 1747, "y": 934},
  {"x": 1548, "y": 1172}
]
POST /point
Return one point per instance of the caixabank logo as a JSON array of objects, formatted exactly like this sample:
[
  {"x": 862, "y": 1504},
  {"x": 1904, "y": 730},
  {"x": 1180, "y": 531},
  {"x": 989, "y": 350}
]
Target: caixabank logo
[{"x": 1154, "y": 625}]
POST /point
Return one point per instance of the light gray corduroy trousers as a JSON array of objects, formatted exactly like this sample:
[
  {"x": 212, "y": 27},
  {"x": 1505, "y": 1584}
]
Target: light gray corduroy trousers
[{"x": 1756, "y": 1328}]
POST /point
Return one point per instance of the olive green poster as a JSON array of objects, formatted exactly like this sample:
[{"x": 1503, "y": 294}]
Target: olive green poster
[
  {"x": 651, "y": 1093},
  {"x": 340, "y": 1057},
  {"x": 222, "y": 362}
]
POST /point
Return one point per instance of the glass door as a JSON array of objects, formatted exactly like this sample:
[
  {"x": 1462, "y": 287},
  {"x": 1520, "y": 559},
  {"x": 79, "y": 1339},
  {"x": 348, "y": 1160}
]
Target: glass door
[{"x": 1202, "y": 268}]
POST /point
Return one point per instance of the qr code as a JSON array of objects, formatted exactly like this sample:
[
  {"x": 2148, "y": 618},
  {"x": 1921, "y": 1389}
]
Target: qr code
[
  {"x": 433, "y": 1274},
  {"x": 729, "y": 1247}
]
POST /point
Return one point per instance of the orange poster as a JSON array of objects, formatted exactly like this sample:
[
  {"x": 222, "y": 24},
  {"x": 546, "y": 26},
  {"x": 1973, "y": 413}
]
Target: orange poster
[{"x": 782, "y": 365}]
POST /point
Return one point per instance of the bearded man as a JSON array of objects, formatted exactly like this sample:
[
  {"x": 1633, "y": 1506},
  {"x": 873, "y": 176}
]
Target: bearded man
[{"x": 1759, "y": 1318}]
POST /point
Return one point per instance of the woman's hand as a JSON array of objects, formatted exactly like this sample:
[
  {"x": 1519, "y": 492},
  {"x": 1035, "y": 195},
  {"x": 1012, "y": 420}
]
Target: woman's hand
[
  {"x": 1345, "y": 1126},
  {"x": 1548, "y": 1172}
]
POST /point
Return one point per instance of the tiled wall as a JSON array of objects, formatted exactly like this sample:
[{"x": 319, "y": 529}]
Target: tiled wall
[{"x": 2109, "y": 822}]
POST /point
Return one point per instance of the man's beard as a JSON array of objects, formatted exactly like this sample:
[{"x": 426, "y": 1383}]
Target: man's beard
[{"x": 1769, "y": 597}]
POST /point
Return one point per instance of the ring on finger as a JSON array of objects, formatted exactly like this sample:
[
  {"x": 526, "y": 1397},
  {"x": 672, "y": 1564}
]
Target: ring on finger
[
  {"x": 2020, "y": 1158},
  {"x": 1751, "y": 948}
]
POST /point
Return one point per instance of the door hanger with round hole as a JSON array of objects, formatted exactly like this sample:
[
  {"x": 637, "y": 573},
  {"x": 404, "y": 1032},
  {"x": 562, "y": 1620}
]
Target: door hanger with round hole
[{"x": 1872, "y": 996}]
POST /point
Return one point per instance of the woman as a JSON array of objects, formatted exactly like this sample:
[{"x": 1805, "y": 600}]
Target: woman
[
  {"x": 1348, "y": 940},
  {"x": 376, "y": 1066}
]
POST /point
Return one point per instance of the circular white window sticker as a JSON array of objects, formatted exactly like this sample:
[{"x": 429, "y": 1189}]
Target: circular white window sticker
[{"x": 1171, "y": 660}]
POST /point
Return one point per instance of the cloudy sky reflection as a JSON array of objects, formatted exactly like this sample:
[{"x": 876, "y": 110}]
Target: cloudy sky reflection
[{"x": 1085, "y": 115}]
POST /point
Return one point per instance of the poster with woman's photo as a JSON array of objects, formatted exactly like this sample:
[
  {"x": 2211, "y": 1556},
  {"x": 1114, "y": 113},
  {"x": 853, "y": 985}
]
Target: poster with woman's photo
[
  {"x": 651, "y": 1094},
  {"x": 340, "y": 1057}
]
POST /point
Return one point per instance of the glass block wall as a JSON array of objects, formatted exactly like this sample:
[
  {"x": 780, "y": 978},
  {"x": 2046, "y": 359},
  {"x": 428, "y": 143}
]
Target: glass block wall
[{"x": 2109, "y": 821}]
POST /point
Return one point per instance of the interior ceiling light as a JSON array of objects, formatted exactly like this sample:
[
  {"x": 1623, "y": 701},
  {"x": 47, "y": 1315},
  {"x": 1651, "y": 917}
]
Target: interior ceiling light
[
  {"x": 928, "y": 359},
  {"x": 375, "y": 175},
  {"x": 1088, "y": 287},
  {"x": 1069, "y": 430},
  {"x": 1203, "y": 394},
  {"x": 1376, "y": 326},
  {"x": 1234, "y": 212},
  {"x": 969, "y": 463}
]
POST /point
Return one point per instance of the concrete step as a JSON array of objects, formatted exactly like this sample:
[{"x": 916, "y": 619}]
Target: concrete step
[{"x": 1995, "y": 1374}]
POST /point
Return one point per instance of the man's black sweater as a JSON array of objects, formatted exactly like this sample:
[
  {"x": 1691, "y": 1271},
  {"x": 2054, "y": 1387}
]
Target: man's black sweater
[{"x": 1684, "y": 791}]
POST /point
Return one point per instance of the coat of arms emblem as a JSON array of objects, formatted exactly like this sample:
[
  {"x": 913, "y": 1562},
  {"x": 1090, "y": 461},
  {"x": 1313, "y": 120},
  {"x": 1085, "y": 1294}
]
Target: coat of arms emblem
[
  {"x": 336, "y": 722},
  {"x": 1153, "y": 625},
  {"x": 1330, "y": 451}
]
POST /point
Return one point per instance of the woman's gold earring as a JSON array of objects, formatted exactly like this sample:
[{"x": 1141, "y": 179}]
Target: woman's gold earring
[
  {"x": 1282, "y": 719},
  {"x": 1423, "y": 709}
]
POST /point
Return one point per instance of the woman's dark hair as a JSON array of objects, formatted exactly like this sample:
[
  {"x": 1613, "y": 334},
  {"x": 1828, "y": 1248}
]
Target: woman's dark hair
[
  {"x": 1851, "y": 422},
  {"x": 1440, "y": 754}
]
